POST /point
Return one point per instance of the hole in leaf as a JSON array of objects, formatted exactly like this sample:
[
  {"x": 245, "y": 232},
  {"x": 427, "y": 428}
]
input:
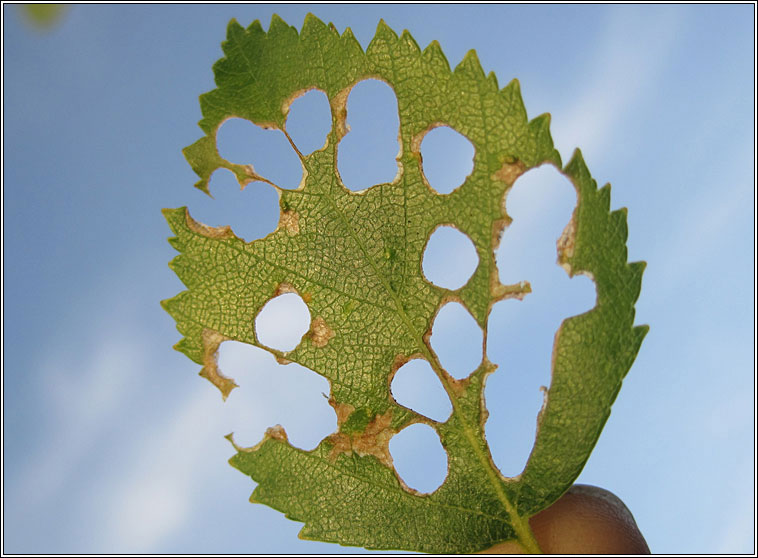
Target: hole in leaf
[
  {"x": 270, "y": 393},
  {"x": 252, "y": 213},
  {"x": 309, "y": 121},
  {"x": 417, "y": 387},
  {"x": 457, "y": 340},
  {"x": 367, "y": 154},
  {"x": 448, "y": 158},
  {"x": 282, "y": 322},
  {"x": 540, "y": 203},
  {"x": 450, "y": 258},
  {"x": 419, "y": 458},
  {"x": 242, "y": 142}
]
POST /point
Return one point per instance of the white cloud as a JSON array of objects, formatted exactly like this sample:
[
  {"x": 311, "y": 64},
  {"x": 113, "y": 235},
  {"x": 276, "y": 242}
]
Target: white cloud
[
  {"x": 696, "y": 230},
  {"x": 82, "y": 396},
  {"x": 153, "y": 495},
  {"x": 625, "y": 66},
  {"x": 114, "y": 467},
  {"x": 105, "y": 471}
]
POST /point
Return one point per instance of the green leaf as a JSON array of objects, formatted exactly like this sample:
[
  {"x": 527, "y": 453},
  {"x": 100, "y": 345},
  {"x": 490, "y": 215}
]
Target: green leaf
[{"x": 355, "y": 258}]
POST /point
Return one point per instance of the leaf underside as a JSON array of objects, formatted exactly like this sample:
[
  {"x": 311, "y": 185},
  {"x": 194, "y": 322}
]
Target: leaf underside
[{"x": 355, "y": 259}]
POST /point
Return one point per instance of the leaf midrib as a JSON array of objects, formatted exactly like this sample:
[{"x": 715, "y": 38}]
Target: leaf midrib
[{"x": 520, "y": 525}]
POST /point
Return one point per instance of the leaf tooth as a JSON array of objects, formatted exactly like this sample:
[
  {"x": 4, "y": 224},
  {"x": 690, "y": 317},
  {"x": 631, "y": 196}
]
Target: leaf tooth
[
  {"x": 640, "y": 332},
  {"x": 384, "y": 36},
  {"x": 175, "y": 244},
  {"x": 636, "y": 269},
  {"x": 577, "y": 168},
  {"x": 511, "y": 94},
  {"x": 408, "y": 39},
  {"x": 541, "y": 122},
  {"x": 384, "y": 32},
  {"x": 284, "y": 37},
  {"x": 186, "y": 347},
  {"x": 189, "y": 344},
  {"x": 604, "y": 196},
  {"x": 546, "y": 152},
  {"x": 349, "y": 40},
  {"x": 235, "y": 33},
  {"x": 234, "y": 27},
  {"x": 278, "y": 25},
  {"x": 184, "y": 272},
  {"x": 174, "y": 217},
  {"x": 254, "y": 28},
  {"x": 513, "y": 88},
  {"x": 313, "y": 27},
  {"x": 618, "y": 222},
  {"x": 434, "y": 54},
  {"x": 470, "y": 67},
  {"x": 166, "y": 303},
  {"x": 348, "y": 35},
  {"x": 492, "y": 81}
]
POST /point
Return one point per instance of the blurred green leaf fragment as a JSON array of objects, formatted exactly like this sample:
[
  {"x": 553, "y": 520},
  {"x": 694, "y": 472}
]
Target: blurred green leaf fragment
[
  {"x": 43, "y": 16},
  {"x": 371, "y": 313}
]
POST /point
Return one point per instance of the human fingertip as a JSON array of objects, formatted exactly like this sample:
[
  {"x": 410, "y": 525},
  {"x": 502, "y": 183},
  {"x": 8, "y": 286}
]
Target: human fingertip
[{"x": 588, "y": 520}]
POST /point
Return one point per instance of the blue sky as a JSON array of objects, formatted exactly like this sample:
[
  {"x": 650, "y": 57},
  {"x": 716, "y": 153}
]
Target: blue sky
[{"x": 113, "y": 444}]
